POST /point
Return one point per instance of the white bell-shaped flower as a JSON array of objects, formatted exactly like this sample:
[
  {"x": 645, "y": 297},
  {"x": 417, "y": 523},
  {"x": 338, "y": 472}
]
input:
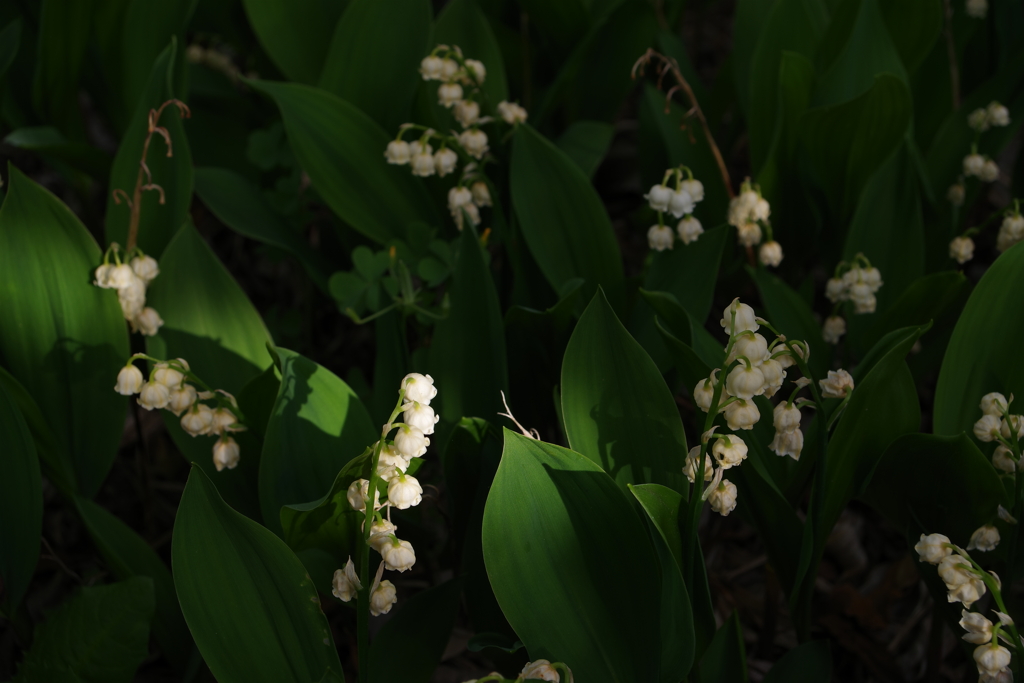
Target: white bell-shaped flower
[
  {"x": 358, "y": 492},
  {"x": 770, "y": 254},
  {"x": 660, "y": 237},
  {"x": 745, "y": 318},
  {"x": 448, "y": 94},
  {"x": 833, "y": 329},
  {"x": 422, "y": 160},
  {"x": 689, "y": 229},
  {"x": 148, "y": 321},
  {"x": 978, "y": 120},
  {"x": 511, "y": 113},
  {"x": 984, "y": 538},
  {"x": 836, "y": 290},
  {"x": 723, "y": 498},
  {"x": 121, "y": 276},
  {"x": 967, "y": 593},
  {"x": 1003, "y": 461},
  {"x": 837, "y": 385},
  {"x": 420, "y": 416},
  {"x": 459, "y": 196},
  {"x": 933, "y": 548},
  {"x": 694, "y": 188},
  {"x": 961, "y": 249},
  {"x": 680, "y": 203},
  {"x": 979, "y": 629},
  {"x": 691, "y": 465},
  {"x": 449, "y": 68},
  {"x": 540, "y": 670},
  {"x": 153, "y": 394},
  {"x": 1010, "y": 232},
  {"x": 989, "y": 172},
  {"x": 955, "y": 570},
  {"x": 346, "y": 582},
  {"x": 129, "y": 380},
  {"x": 445, "y": 161},
  {"x": 973, "y": 164},
  {"x": 477, "y": 70},
  {"x": 992, "y": 659},
  {"x": 704, "y": 393},
  {"x": 181, "y": 399},
  {"x": 384, "y": 596},
  {"x": 466, "y": 212},
  {"x": 223, "y": 420},
  {"x": 410, "y": 441},
  {"x": 101, "y": 277},
  {"x": 987, "y": 428},
  {"x": 741, "y": 414},
  {"x": 467, "y": 112},
  {"x": 404, "y": 491},
  {"x": 774, "y": 374},
  {"x": 749, "y": 345},
  {"x": 659, "y": 197},
  {"x": 145, "y": 267},
  {"x": 788, "y": 443},
  {"x": 748, "y": 234},
  {"x": 956, "y": 194},
  {"x": 998, "y": 115},
  {"x": 786, "y": 417},
  {"x": 419, "y": 388},
  {"x": 197, "y": 420},
  {"x": 399, "y": 556},
  {"x": 132, "y": 298},
  {"x": 481, "y": 193},
  {"x": 993, "y": 403},
  {"x": 226, "y": 453},
  {"x": 380, "y": 534},
  {"x": 168, "y": 376},
  {"x": 431, "y": 68},
  {"x": 474, "y": 141},
  {"x": 745, "y": 381},
  {"x": 729, "y": 451},
  {"x": 1015, "y": 423},
  {"x": 399, "y": 152}
]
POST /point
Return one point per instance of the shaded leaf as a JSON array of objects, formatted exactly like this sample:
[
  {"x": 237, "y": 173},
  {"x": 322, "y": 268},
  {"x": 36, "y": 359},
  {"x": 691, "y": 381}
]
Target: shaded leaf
[
  {"x": 809, "y": 662},
  {"x": 147, "y": 29},
  {"x": 462, "y": 23},
  {"x": 21, "y": 504},
  {"x": 726, "y": 657},
  {"x": 586, "y": 143},
  {"x": 296, "y": 34}
]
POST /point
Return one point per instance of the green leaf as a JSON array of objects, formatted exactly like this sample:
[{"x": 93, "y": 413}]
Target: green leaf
[
  {"x": 237, "y": 203},
  {"x": 809, "y": 662},
  {"x": 927, "y": 298},
  {"x": 847, "y": 142},
  {"x": 689, "y": 272},
  {"x": 462, "y": 23},
  {"x": 384, "y": 86},
  {"x": 561, "y": 215},
  {"x": 789, "y": 314},
  {"x": 914, "y": 27},
  {"x": 158, "y": 223},
  {"x": 296, "y": 34},
  {"x": 467, "y": 355},
  {"x": 983, "y": 340},
  {"x": 248, "y": 601},
  {"x": 557, "y": 532},
  {"x": 420, "y": 630},
  {"x": 10, "y": 39},
  {"x": 726, "y": 657},
  {"x": 955, "y": 491},
  {"x": 257, "y": 400},
  {"x": 50, "y": 453},
  {"x": 209, "y": 321},
  {"x": 61, "y": 337},
  {"x": 564, "y": 22},
  {"x": 618, "y": 411},
  {"x": 147, "y": 29},
  {"x": 50, "y": 144},
  {"x": 586, "y": 143},
  {"x": 318, "y": 424},
  {"x": 21, "y": 504},
  {"x": 342, "y": 150},
  {"x": 64, "y": 32},
  {"x": 129, "y": 555},
  {"x": 99, "y": 636}
]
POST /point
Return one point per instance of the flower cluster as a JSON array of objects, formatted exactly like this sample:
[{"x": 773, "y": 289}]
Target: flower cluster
[
  {"x": 857, "y": 282},
  {"x": 130, "y": 278},
  {"x": 994, "y": 115},
  {"x": 168, "y": 388},
  {"x": 460, "y": 91},
  {"x": 392, "y": 463},
  {"x": 967, "y": 582},
  {"x": 540, "y": 670},
  {"x": 748, "y": 213},
  {"x": 680, "y": 202},
  {"x": 974, "y": 164},
  {"x": 997, "y": 424},
  {"x": 753, "y": 367}
]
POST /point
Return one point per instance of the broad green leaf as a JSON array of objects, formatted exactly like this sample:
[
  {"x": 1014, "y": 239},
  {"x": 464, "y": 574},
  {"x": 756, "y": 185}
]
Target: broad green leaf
[
  {"x": 129, "y": 555},
  {"x": 586, "y": 143},
  {"x": 985, "y": 336},
  {"x": 295, "y": 34},
  {"x": 787, "y": 311},
  {"x": 462, "y": 23},
  {"x": 846, "y": 142},
  {"x": 688, "y": 363},
  {"x": 10, "y": 39},
  {"x": 147, "y": 29},
  {"x": 53, "y": 460},
  {"x": 927, "y": 298},
  {"x": 21, "y": 504},
  {"x": 342, "y": 150},
  {"x": 382, "y": 83},
  {"x": 257, "y": 399},
  {"x": 914, "y": 27},
  {"x": 467, "y": 355},
  {"x": 50, "y": 144},
  {"x": 247, "y": 599},
  {"x": 420, "y": 630},
  {"x": 749, "y": 21},
  {"x": 158, "y": 223},
  {"x": 557, "y": 532},
  {"x": 618, "y": 411},
  {"x": 561, "y": 215},
  {"x": 209, "y": 321},
  {"x": 726, "y": 657},
  {"x": 955, "y": 491},
  {"x": 809, "y": 662},
  {"x": 237, "y": 203},
  {"x": 793, "y": 26},
  {"x": 61, "y": 337},
  {"x": 99, "y": 636},
  {"x": 318, "y": 424},
  {"x": 64, "y": 32},
  {"x": 689, "y": 271}
]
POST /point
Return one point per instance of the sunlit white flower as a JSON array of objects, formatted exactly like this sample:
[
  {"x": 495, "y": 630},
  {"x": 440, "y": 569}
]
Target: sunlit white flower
[
  {"x": 404, "y": 491},
  {"x": 223, "y": 420},
  {"x": 121, "y": 276},
  {"x": 987, "y": 428},
  {"x": 993, "y": 658},
  {"x": 540, "y": 670},
  {"x": 380, "y": 534},
  {"x": 358, "y": 492},
  {"x": 961, "y": 249},
  {"x": 511, "y": 113},
  {"x": 382, "y": 598},
  {"x": 979, "y": 629},
  {"x": 398, "y": 152},
  {"x": 419, "y": 388},
  {"x": 445, "y": 161},
  {"x": 197, "y": 419},
  {"x": 399, "y": 556},
  {"x": 703, "y": 393},
  {"x": 691, "y": 465},
  {"x": 129, "y": 380},
  {"x": 148, "y": 321},
  {"x": 729, "y": 451},
  {"x": 346, "y": 582},
  {"x": 448, "y": 94},
  {"x": 933, "y": 548},
  {"x": 420, "y": 416},
  {"x": 226, "y": 453},
  {"x": 132, "y": 298},
  {"x": 101, "y": 276},
  {"x": 689, "y": 229},
  {"x": 744, "y": 318},
  {"x": 833, "y": 329},
  {"x": 169, "y": 376},
  {"x": 837, "y": 384},
  {"x": 660, "y": 237},
  {"x": 749, "y": 345},
  {"x": 659, "y": 197},
  {"x": 153, "y": 395},
  {"x": 741, "y": 414},
  {"x": 984, "y": 538},
  {"x": 410, "y": 441},
  {"x": 723, "y": 498}
]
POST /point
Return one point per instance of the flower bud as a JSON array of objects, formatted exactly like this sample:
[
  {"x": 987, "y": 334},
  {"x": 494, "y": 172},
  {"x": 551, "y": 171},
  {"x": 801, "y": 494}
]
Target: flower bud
[
  {"x": 833, "y": 329},
  {"x": 148, "y": 321},
  {"x": 445, "y": 161},
  {"x": 420, "y": 416},
  {"x": 346, "y": 582},
  {"x": 987, "y": 428},
  {"x": 430, "y": 68},
  {"x": 1003, "y": 460},
  {"x": 837, "y": 385},
  {"x": 748, "y": 234},
  {"x": 741, "y": 414},
  {"x": 680, "y": 203},
  {"x": 973, "y": 164},
  {"x": 398, "y": 555},
  {"x": 419, "y": 388},
  {"x": 129, "y": 380},
  {"x": 226, "y": 453},
  {"x": 788, "y": 443},
  {"x": 404, "y": 491},
  {"x": 770, "y": 254},
  {"x": 694, "y": 188},
  {"x": 984, "y": 538},
  {"x": 998, "y": 115},
  {"x": 466, "y": 112},
  {"x": 511, "y": 113},
  {"x": 961, "y": 249},
  {"x": 398, "y": 152},
  {"x": 979, "y": 629},
  {"x": 992, "y": 659},
  {"x": 745, "y": 381},
  {"x": 197, "y": 419},
  {"x": 181, "y": 399},
  {"x": 658, "y": 197},
  {"x": 729, "y": 451},
  {"x": 660, "y": 237},
  {"x": 422, "y": 160},
  {"x": 689, "y": 229},
  {"x": 933, "y": 548},
  {"x": 703, "y": 394},
  {"x": 222, "y": 421},
  {"x": 481, "y": 193},
  {"x": 773, "y": 376},
  {"x": 411, "y": 442},
  {"x": 745, "y": 318},
  {"x": 723, "y": 498},
  {"x": 539, "y": 670},
  {"x": 382, "y": 598},
  {"x": 145, "y": 267},
  {"x": 955, "y": 194},
  {"x": 691, "y": 465},
  {"x": 448, "y": 94},
  {"x": 153, "y": 395},
  {"x": 993, "y": 403},
  {"x": 358, "y": 492}
]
